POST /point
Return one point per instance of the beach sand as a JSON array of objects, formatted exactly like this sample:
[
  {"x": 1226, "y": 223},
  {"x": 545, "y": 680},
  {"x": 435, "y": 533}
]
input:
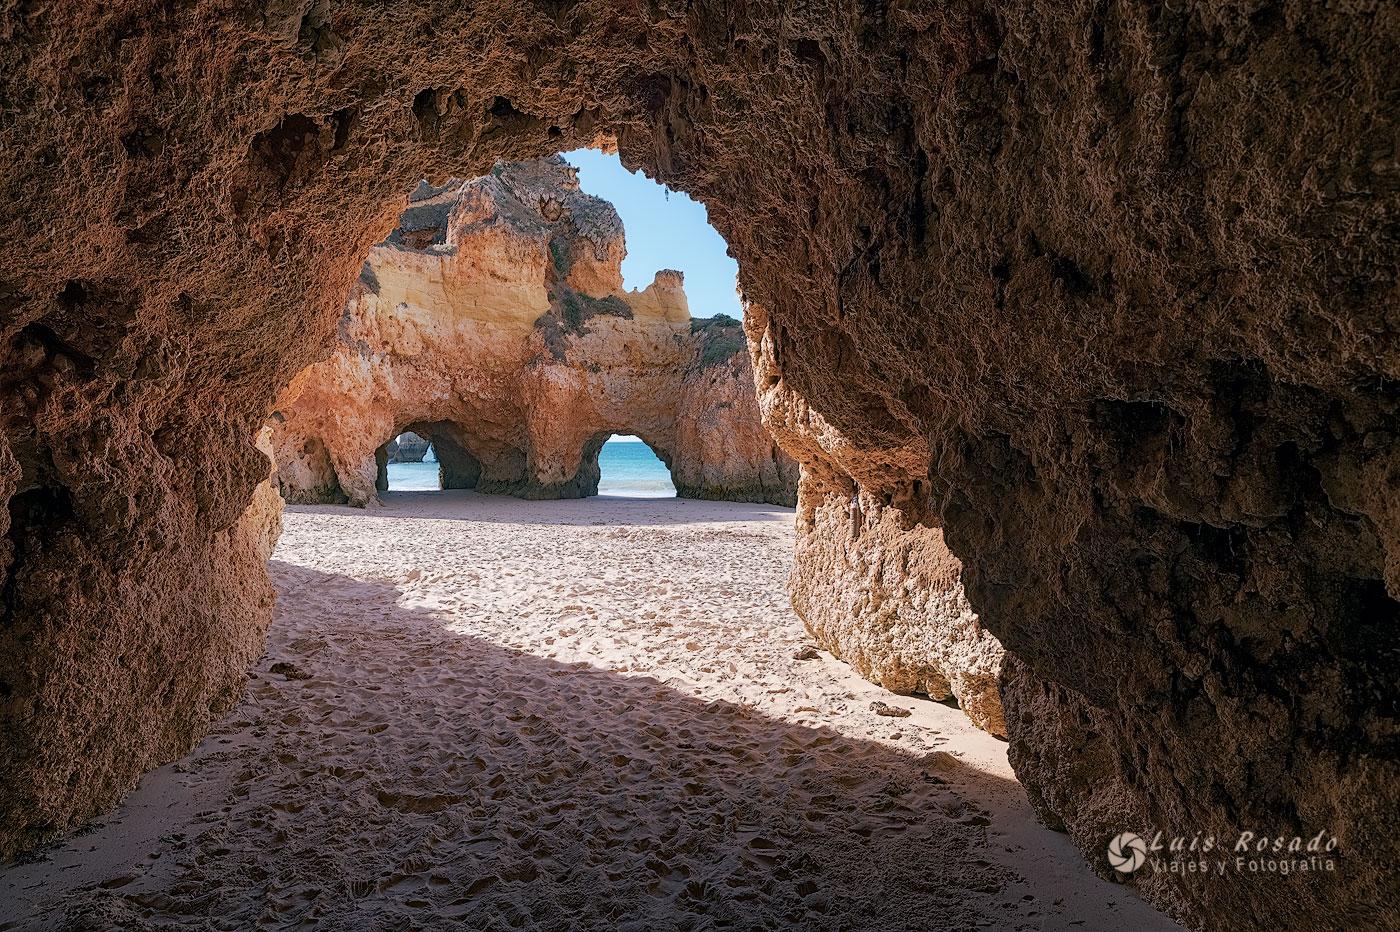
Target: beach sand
[{"x": 479, "y": 712}]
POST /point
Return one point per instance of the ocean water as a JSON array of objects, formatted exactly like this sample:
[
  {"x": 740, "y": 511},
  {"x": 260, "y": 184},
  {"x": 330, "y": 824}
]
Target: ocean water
[
  {"x": 629, "y": 469},
  {"x": 405, "y": 477}
]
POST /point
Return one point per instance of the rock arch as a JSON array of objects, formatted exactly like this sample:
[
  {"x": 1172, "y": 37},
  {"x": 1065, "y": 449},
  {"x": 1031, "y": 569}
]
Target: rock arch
[
  {"x": 497, "y": 306},
  {"x": 458, "y": 467},
  {"x": 1105, "y": 294},
  {"x": 661, "y": 447}
]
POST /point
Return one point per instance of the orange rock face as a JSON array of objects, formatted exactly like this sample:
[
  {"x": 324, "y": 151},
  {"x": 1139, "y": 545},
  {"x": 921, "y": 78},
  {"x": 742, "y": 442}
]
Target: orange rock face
[
  {"x": 493, "y": 322},
  {"x": 874, "y": 581}
]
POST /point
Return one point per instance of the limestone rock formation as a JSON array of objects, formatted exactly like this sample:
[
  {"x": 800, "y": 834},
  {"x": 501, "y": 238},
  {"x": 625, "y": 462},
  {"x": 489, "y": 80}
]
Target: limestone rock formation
[
  {"x": 1105, "y": 291},
  {"x": 729, "y": 454},
  {"x": 191, "y": 668},
  {"x": 885, "y": 595},
  {"x": 407, "y": 447},
  {"x": 493, "y": 322}
]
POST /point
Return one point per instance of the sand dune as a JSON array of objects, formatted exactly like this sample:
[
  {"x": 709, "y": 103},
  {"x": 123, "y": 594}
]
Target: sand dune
[{"x": 478, "y": 712}]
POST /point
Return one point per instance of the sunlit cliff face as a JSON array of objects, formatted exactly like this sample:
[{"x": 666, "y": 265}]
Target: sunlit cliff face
[
  {"x": 494, "y": 320},
  {"x": 1104, "y": 295}
]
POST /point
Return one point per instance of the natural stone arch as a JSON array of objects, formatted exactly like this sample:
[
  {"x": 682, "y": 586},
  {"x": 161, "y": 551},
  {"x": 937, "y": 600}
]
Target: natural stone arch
[
  {"x": 458, "y": 468},
  {"x": 1120, "y": 276},
  {"x": 593, "y": 470},
  {"x": 499, "y": 302}
]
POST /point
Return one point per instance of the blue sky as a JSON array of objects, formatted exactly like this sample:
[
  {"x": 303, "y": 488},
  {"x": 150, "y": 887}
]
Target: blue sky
[{"x": 664, "y": 231}]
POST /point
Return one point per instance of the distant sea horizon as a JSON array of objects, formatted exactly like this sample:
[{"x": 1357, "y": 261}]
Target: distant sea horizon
[{"x": 630, "y": 469}]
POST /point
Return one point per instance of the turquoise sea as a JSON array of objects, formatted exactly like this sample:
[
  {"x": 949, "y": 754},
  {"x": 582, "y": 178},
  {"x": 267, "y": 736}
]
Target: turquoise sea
[{"x": 629, "y": 469}]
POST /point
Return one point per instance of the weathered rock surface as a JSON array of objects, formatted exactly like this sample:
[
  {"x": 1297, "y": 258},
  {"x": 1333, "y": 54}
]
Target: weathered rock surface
[
  {"x": 1107, "y": 290},
  {"x": 82, "y": 712},
  {"x": 493, "y": 322},
  {"x": 886, "y": 596},
  {"x": 408, "y": 447}
]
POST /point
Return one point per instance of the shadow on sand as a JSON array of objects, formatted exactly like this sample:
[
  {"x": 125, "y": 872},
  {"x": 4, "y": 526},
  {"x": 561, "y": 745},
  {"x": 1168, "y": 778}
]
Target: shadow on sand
[{"x": 392, "y": 773}]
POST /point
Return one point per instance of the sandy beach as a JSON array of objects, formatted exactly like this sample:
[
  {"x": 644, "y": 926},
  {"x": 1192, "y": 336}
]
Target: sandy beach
[{"x": 479, "y": 712}]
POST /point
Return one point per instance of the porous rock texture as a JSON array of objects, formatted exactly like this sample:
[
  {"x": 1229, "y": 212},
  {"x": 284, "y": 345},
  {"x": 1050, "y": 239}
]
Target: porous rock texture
[
  {"x": 883, "y": 592},
  {"x": 407, "y": 447},
  {"x": 1105, "y": 292},
  {"x": 493, "y": 321}
]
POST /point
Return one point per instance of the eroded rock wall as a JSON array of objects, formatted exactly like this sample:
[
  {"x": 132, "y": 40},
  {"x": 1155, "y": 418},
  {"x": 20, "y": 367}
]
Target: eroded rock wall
[
  {"x": 1114, "y": 283},
  {"x": 874, "y": 581},
  {"x": 495, "y": 313},
  {"x": 407, "y": 447},
  {"x": 88, "y": 703},
  {"x": 883, "y": 593}
]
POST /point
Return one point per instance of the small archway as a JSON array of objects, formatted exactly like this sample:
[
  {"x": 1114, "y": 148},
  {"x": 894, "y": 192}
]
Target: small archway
[
  {"x": 630, "y": 467},
  {"x": 437, "y": 443},
  {"x": 407, "y": 462}
]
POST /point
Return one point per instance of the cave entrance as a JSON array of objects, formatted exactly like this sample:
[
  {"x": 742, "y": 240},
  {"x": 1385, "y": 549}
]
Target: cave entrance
[
  {"x": 666, "y": 229},
  {"x": 410, "y": 465},
  {"x": 544, "y": 349},
  {"x": 629, "y": 467},
  {"x": 426, "y": 457}
]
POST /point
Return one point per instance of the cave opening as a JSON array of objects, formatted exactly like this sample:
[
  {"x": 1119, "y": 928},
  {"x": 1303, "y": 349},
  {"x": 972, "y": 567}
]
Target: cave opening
[
  {"x": 666, "y": 229},
  {"x": 425, "y": 457},
  {"x": 545, "y": 347},
  {"x": 1113, "y": 318},
  {"x": 677, "y": 596},
  {"x": 628, "y": 466}
]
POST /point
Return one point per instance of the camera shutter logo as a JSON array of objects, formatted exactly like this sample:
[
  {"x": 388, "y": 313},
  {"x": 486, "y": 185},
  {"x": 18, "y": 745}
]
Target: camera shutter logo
[{"x": 1127, "y": 852}]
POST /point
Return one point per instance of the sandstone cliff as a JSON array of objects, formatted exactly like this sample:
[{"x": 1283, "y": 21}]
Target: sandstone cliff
[{"x": 493, "y": 322}]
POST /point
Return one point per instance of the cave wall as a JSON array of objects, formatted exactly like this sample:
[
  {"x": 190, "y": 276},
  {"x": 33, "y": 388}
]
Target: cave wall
[
  {"x": 1125, "y": 273},
  {"x": 115, "y": 654},
  {"x": 880, "y": 589},
  {"x": 457, "y": 467}
]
